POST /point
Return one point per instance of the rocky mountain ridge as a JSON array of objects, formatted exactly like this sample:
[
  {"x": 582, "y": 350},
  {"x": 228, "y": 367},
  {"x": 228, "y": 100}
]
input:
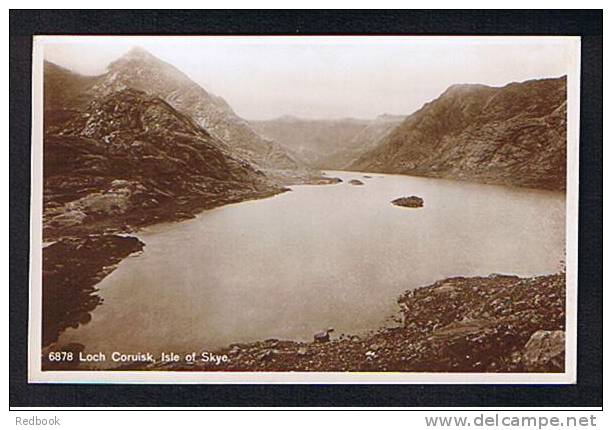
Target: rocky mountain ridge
[
  {"x": 513, "y": 135},
  {"x": 140, "y": 70}
]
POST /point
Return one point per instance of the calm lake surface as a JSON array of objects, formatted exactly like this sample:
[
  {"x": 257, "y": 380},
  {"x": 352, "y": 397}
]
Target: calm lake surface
[{"x": 332, "y": 255}]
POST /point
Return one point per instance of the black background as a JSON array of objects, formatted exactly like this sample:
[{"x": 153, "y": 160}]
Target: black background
[{"x": 588, "y": 24}]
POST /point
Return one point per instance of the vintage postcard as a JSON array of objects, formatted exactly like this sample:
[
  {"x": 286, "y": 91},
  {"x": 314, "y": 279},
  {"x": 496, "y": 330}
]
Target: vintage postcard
[{"x": 306, "y": 209}]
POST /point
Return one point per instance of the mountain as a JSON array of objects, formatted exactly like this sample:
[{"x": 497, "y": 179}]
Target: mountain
[
  {"x": 327, "y": 143},
  {"x": 130, "y": 159},
  {"x": 368, "y": 138},
  {"x": 140, "y": 70},
  {"x": 513, "y": 135},
  {"x": 312, "y": 140}
]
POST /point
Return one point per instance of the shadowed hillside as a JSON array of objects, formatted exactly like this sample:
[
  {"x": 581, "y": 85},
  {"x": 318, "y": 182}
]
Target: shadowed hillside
[
  {"x": 131, "y": 159},
  {"x": 513, "y": 135}
]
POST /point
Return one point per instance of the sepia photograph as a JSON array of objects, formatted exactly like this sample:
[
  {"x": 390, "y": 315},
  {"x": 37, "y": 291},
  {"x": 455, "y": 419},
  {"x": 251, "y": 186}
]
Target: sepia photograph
[{"x": 304, "y": 209}]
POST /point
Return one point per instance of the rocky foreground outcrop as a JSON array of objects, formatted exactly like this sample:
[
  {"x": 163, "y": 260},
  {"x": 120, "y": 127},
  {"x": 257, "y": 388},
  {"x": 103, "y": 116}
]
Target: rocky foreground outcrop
[
  {"x": 485, "y": 324},
  {"x": 513, "y": 135},
  {"x": 71, "y": 269},
  {"x": 544, "y": 351}
]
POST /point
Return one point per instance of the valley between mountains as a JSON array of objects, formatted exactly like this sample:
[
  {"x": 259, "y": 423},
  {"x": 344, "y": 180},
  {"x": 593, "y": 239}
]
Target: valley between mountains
[{"x": 143, "y": 144}]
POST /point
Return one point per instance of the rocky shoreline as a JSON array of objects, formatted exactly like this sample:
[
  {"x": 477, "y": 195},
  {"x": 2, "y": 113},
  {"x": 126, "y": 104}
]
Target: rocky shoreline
[
  {"x": 142, "y": 215},
  {"x": 497, "y": 323},
  {"x": 72, "y": 267}
]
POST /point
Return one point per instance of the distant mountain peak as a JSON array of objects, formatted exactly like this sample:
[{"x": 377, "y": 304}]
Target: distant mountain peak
[
  {"x": 138, "y": 53},
  {"x": 461, "y": 89},
  {"x": 141, "y": 58}
]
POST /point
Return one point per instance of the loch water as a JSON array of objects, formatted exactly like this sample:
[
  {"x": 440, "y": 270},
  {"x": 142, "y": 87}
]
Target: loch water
[{"x": 319, "y": 256}]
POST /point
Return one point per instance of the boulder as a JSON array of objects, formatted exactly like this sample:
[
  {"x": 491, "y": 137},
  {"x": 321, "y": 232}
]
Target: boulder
[
  {"x": 409, "y": 202},
  {"x": 545, "y": 351},
  {"x": 323, "y": 336}
]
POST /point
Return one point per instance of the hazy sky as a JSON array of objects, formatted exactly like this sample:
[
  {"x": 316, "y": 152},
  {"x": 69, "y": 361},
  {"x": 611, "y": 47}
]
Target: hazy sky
[{"x": 329, "y": 77}]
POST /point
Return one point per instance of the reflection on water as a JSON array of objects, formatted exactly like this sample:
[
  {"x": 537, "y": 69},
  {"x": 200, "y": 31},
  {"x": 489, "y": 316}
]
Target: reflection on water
[{"x": 333, "y": 255}]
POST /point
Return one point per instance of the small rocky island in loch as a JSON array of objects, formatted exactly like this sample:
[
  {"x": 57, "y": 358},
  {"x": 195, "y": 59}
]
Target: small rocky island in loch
[
  {"x": 355, "y": 182},
  {"x": 409, "y": 202}
]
